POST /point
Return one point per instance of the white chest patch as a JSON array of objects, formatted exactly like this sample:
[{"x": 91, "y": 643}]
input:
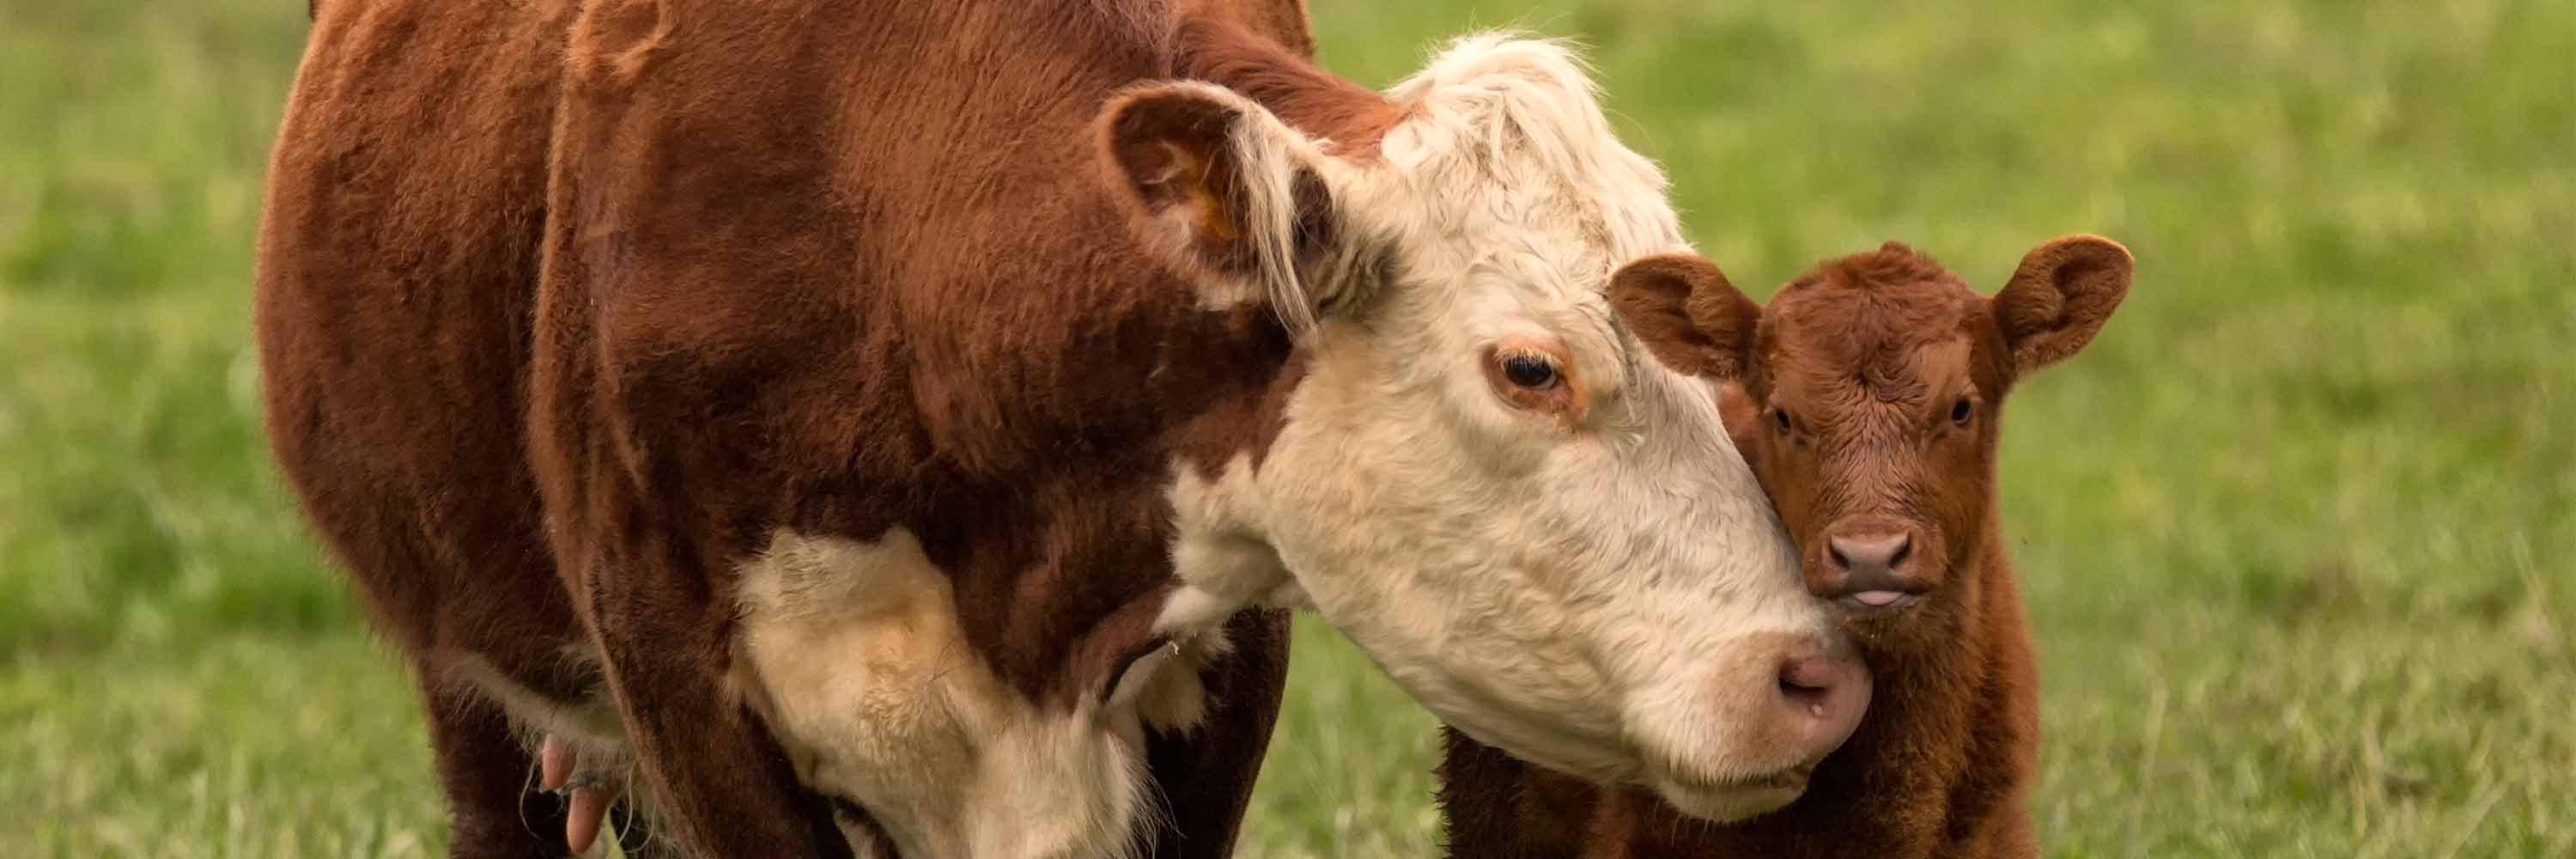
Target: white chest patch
[{"x": 854, "y": 654}]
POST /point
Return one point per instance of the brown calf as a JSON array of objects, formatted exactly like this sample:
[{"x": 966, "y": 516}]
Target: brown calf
[{"x": 1868, "y": 398}]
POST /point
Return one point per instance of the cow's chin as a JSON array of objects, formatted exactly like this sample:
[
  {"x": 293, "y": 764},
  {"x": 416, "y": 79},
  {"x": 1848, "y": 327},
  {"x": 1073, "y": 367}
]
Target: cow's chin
[{"x": 1735, "y": 800}]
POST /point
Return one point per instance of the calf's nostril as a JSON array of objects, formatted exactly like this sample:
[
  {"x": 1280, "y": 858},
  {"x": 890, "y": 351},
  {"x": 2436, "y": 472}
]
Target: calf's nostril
[{"x": 1869, "y": 554}]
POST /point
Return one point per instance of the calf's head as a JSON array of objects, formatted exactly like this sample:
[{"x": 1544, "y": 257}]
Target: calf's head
[
  {"x": 1867, "y": 397},
  {"x": 1479, "y": 475}
]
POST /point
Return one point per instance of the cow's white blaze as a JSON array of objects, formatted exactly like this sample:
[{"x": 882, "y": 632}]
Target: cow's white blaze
[{"x": 1607, "y": 596}]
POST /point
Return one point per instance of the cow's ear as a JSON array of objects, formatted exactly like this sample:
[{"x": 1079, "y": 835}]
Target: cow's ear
[
  {"x": 1687, "y": 313},
  {"x": 1226, "y": 192},
  {"x": 2059, "y": 298}
]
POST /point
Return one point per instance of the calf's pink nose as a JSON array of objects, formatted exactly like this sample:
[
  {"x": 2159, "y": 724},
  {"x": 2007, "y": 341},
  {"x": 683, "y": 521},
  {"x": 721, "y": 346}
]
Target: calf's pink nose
[{"x": 1869, "y": 556}]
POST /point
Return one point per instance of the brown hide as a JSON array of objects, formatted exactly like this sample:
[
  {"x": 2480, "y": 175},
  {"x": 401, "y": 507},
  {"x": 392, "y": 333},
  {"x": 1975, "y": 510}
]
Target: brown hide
[
  {"x": 564, "y": 305},
  {"x": 1868, "y": 392}
]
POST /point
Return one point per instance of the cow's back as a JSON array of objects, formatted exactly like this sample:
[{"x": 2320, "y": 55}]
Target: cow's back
[{"x": 398, "y": 260}]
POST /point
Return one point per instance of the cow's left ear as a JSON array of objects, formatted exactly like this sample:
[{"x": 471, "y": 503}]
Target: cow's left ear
[
  {"x": 1227, "y": 192},
  {"x": 2059, "y": 298}
]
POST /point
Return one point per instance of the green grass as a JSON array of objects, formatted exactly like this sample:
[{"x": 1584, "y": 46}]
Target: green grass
[{"x": 2296, "y": 531}]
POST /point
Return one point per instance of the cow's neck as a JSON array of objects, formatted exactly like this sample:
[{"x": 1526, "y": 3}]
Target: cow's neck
[
  {"x": 1221, "y": 562},
  {"x": 1072, "y": 555},
  {"x": 1282, "y": 78},
  {"x": 1022, "y": 615}
]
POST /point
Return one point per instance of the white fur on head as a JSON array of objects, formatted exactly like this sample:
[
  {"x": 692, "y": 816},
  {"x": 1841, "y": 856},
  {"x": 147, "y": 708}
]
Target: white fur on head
[
  {"x": 1519, "y": 110},
  {"x": 1607, "y": 595}
]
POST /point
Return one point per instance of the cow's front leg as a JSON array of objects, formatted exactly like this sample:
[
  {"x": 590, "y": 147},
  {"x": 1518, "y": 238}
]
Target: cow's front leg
[
  {"x": 1206, "y": 771},
  {"x": 720, "y": 784}
]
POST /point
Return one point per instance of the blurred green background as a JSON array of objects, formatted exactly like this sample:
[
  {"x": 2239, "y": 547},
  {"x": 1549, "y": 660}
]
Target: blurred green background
[{"x": 2296, "y": 531}]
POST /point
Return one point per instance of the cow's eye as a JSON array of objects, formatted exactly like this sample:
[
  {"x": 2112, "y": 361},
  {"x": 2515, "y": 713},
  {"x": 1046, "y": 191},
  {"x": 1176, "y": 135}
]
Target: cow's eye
[
  {"x": 1780, "y": 419},
  {"x": 1961, "y": 411},
  {"x": 1533, "y": 372}
]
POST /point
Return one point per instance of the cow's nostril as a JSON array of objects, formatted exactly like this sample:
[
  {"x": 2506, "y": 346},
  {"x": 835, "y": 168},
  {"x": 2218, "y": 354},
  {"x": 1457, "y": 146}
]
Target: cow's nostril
[
  {"x": 1809, "y": 683},
  {"x": 1810, "y": 697},
  {"x": 1824, "y": 698},
  {"x": 1840, "y": 562},
  {"x": 1904, "y": 548}
]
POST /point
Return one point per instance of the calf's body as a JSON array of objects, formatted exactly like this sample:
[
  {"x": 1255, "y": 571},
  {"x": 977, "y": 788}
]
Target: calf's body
[{"x": 1867, "y": 399}]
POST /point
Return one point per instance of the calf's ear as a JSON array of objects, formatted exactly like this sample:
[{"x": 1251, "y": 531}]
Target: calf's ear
[
  {"x": 1226, "y": 193},
  {"x": 2059, "y": 298},
  {"x": 1742, "y": 416},
  {"x": 1687, "y": 313}
]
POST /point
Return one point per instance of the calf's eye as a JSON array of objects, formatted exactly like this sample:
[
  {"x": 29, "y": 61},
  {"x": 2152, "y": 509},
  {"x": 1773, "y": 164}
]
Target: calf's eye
[
  {"x": 1529, "y": 371},
  {"x": 1780, "y": 419},
  {"x": 1961, "y": 411}
]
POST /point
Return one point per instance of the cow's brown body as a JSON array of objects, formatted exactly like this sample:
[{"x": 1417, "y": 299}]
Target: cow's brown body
[
  {"x": 554, "y": 289},
  {"x": 1838, "y": 396}
]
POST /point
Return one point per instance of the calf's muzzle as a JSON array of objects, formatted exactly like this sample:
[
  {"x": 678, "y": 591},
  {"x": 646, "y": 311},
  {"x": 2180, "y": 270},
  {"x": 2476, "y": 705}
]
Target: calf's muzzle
[{"x": 1873, "y": 567}]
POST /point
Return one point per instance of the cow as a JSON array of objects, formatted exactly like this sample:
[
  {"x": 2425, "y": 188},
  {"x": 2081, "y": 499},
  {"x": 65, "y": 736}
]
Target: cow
[
  {"x": 1868, "y": 397},
  {"x": 902, "y": 428}
]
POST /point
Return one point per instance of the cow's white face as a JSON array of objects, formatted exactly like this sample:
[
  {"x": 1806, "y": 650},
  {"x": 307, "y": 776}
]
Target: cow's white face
[{"x": 1540, "y": 532}]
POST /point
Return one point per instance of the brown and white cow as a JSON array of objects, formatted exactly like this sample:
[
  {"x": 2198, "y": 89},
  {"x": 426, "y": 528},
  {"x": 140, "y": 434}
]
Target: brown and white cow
[
  {"x": 1868, "y": 397},
  {"x": 896, "y": 427}
]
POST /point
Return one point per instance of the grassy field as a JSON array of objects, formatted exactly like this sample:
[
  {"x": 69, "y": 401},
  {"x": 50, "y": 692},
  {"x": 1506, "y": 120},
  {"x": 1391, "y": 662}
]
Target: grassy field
[{"x": 2296, "y": 532}]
